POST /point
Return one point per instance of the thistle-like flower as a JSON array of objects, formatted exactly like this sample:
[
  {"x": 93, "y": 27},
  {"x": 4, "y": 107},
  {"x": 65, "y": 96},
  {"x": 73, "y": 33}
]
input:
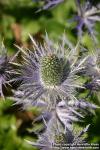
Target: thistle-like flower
[
  {"x": 49, "y": 4},
  {"x": 54, "y": 138},
  {"x": 93, "y": 65},
  {"x": 4, "y": 68},
  {"x": 60, "y": 132},
  {"x": 93, "y": 71},
  {"x": 87, "y": 16},
  {"x": 49, "y": 74}
]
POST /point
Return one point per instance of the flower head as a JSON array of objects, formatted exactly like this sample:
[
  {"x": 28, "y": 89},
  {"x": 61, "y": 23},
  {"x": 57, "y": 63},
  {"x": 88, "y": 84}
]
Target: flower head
[
  {"x": 93, "y": 65},
  {"x": 60, "y": 130},
  {"x": 4, "y": 68},
  {"x": 93, "y": 71},
  {"x": 87, "y": 16},
  {"x": 48, "y": 73},
  {"x": 53, "y": 138}
]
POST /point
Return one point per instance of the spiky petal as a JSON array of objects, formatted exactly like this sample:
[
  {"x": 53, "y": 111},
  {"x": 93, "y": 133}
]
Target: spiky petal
[
  {"x": 49, "y": 4},
  {"x": 65, "y": 114}
]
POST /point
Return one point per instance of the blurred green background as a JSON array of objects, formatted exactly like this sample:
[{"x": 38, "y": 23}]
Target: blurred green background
[{"x": 18, "y": 18}]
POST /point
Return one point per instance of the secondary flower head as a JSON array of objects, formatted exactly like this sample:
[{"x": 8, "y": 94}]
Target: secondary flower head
[
  {"x": 60, "y": 130},
  {"x": 55, "y": 139},
  {"x": 87, "y": 16},
  {"x": 93, "y": 71},
  {"x": 4, "y": 67},
  {"x": 48, "y": 73},
  {"x": 93, "y": 65}
]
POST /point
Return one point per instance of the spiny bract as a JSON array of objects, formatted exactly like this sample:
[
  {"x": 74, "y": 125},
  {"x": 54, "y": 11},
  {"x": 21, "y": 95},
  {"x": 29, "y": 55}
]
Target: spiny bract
[{"x": 49, "y": 4}]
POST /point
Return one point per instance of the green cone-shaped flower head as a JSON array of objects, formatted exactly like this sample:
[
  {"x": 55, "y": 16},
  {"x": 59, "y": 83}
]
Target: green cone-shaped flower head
[{"x": 51, "y": 70}]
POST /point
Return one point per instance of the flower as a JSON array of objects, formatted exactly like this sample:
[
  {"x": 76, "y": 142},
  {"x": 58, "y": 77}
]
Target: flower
[
  {"x": 93, "y": 71},
  {"x": 60, "y": 130},
  {"x": 49, "y": 4},
  {"x": 48, "y": 73},
  {"x": 93, "y": 65},
  {"x": 87, "y": 16},
  {"x": 55, "y": 138},
  {"x": 4, "y": 68}
]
